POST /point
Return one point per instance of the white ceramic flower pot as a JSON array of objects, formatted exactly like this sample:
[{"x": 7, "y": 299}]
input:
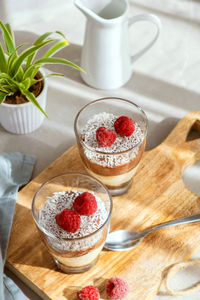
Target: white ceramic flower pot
[{"x": 23, "y": 118}]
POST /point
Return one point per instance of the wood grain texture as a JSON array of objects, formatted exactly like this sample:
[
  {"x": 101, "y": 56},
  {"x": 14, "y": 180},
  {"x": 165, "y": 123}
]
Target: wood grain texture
[{"x": 158, "y": 194}]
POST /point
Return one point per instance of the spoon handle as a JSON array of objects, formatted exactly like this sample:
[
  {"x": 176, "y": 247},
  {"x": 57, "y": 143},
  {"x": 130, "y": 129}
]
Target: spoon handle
[{"x": 186, "y": 220}]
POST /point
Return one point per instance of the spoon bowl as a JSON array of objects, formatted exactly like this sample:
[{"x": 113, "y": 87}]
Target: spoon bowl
[{"x": 122, "y": 240}]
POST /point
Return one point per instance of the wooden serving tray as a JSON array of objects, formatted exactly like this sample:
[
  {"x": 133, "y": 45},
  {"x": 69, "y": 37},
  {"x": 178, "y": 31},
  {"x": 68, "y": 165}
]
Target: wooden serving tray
[{"x": 158, "y": 194}]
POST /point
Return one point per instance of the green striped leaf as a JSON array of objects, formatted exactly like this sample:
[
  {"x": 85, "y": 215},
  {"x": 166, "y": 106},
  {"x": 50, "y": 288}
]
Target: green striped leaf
[
  {"x": 26, "y": 83},
  {"x": 17, "y": 63},
  {"x": 2, "y": 96},
  {"x": 13, "y": 87},
  {"x": 8, "y": 27},
  {"x": 62, "y": 34},
  {"x": 31, "y": 71},
  {"x": 42, "y": 38},
  {"x": 3, "y": 62},
  {"x": 12, "y": 57},
  {"x": 55, "y": 48},
  {"x": 51, "y": 74},
  {"x": 55, "y": 60},
  {"x": 42, "y": 78},
  {"x": 4, "y": 75},
  {"x": 37, "y": 42},
  {"x": 5, "y": 78},
  {"x": 6, "y": 88},
  {"x": 9, "y": 43},
  {"x": 32, "y": 99}
]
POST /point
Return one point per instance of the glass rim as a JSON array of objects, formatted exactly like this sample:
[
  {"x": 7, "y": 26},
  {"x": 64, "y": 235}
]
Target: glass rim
[
  {"x": 111, "y": 98},
  {"x": 49, "y": 234}
]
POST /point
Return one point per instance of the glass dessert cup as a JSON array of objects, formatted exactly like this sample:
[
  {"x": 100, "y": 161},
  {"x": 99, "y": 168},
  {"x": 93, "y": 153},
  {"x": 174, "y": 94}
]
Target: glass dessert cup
[
  {"x": 81, "y": 251},
  {"x": 115, "y": 167}
]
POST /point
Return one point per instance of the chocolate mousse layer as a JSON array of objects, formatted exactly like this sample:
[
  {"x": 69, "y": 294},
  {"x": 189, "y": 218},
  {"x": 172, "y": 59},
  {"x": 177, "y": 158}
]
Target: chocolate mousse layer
[
  {"x": 133, "y": 157},
  {"x": 69, "y": 254}
]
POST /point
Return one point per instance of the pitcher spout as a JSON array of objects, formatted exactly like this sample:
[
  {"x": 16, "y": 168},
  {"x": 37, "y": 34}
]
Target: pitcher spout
[
  {"x": 103, "y": 9},
  {"x": 85, "y": 8}
]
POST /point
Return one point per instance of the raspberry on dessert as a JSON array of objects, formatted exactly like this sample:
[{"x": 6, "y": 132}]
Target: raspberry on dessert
[
  {"x": 68, "y": 220},
  {"x": 85, "y": 204},
  {"x": 124, "y": 126},
  {"x": 89, "y": 292},
  {"x": 105, "y": 137},
  {"x": 117, "y": 288}
]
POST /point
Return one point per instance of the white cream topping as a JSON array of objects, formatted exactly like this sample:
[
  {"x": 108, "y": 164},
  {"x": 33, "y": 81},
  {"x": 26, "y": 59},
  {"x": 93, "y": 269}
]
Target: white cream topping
[
  {"x": 89, "y": 224},
  {"x": 122, "y": 143}
]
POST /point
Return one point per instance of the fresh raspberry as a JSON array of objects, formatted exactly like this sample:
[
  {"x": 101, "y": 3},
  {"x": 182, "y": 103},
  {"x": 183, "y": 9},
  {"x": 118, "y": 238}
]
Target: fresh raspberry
[
  {"x": 117, "y": 288},
  {"x": 124, "y": 126},
  {"x": 68, "y": 220},
  {"x": 105, "y": 137},
  {"x": 89, "y": 292},
  {"x": 85, "y": 204}
]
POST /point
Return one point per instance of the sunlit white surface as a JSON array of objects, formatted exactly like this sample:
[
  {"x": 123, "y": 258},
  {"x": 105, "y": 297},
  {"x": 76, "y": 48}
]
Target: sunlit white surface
[{"x": 165, "y": 82}]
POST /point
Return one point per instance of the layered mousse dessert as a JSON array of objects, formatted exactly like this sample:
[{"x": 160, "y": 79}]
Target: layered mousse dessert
[
  {"x": 76, "y": 224},
  {"x": 111, "y": 147}
]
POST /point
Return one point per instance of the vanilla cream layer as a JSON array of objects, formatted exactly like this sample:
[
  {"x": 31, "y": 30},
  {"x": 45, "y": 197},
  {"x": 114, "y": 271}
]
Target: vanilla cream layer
[
  {"x": 114, "y": 181},
  {"x": 79, "y": 261}
]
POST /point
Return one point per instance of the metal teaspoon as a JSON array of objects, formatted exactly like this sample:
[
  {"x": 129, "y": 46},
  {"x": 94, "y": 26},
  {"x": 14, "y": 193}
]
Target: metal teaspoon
[{"x": 122, "y": 240}]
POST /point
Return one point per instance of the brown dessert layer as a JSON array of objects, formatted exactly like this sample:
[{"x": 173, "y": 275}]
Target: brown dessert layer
[
  {"x": 115, "y": 170},
  {"x": 74, "y": 253}
]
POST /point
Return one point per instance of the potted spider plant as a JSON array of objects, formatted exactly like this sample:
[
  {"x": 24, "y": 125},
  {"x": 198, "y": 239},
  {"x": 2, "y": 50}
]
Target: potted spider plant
[{"x": 23, "y": 85}]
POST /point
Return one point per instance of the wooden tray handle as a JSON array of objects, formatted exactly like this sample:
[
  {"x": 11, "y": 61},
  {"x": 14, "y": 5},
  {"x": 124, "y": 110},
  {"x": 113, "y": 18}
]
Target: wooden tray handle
[{"x": 187, "y": 152}]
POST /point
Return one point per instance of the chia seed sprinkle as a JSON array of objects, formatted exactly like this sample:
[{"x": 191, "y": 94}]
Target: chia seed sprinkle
[
  {"x": 89, "y": 224},
  {"x": 122, "y": 143}
]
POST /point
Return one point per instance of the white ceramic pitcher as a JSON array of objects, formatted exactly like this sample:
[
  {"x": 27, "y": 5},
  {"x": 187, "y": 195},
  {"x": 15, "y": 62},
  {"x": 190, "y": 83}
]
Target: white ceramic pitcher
[{"x": 106, "y": 55}]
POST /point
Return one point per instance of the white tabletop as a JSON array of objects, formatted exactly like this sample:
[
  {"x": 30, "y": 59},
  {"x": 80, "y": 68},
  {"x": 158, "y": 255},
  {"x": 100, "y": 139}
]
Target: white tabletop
[{"x": 165, "y": 83}]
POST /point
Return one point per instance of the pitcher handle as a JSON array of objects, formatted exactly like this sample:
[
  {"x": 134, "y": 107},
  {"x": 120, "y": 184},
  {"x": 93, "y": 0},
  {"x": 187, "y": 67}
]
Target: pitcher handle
[{"x": 145, "y": 17}]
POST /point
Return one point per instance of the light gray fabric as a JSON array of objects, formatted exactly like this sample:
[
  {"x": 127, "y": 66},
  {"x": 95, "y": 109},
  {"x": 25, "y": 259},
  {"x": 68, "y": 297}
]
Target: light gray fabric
[{"x": 15, "y": 171}]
